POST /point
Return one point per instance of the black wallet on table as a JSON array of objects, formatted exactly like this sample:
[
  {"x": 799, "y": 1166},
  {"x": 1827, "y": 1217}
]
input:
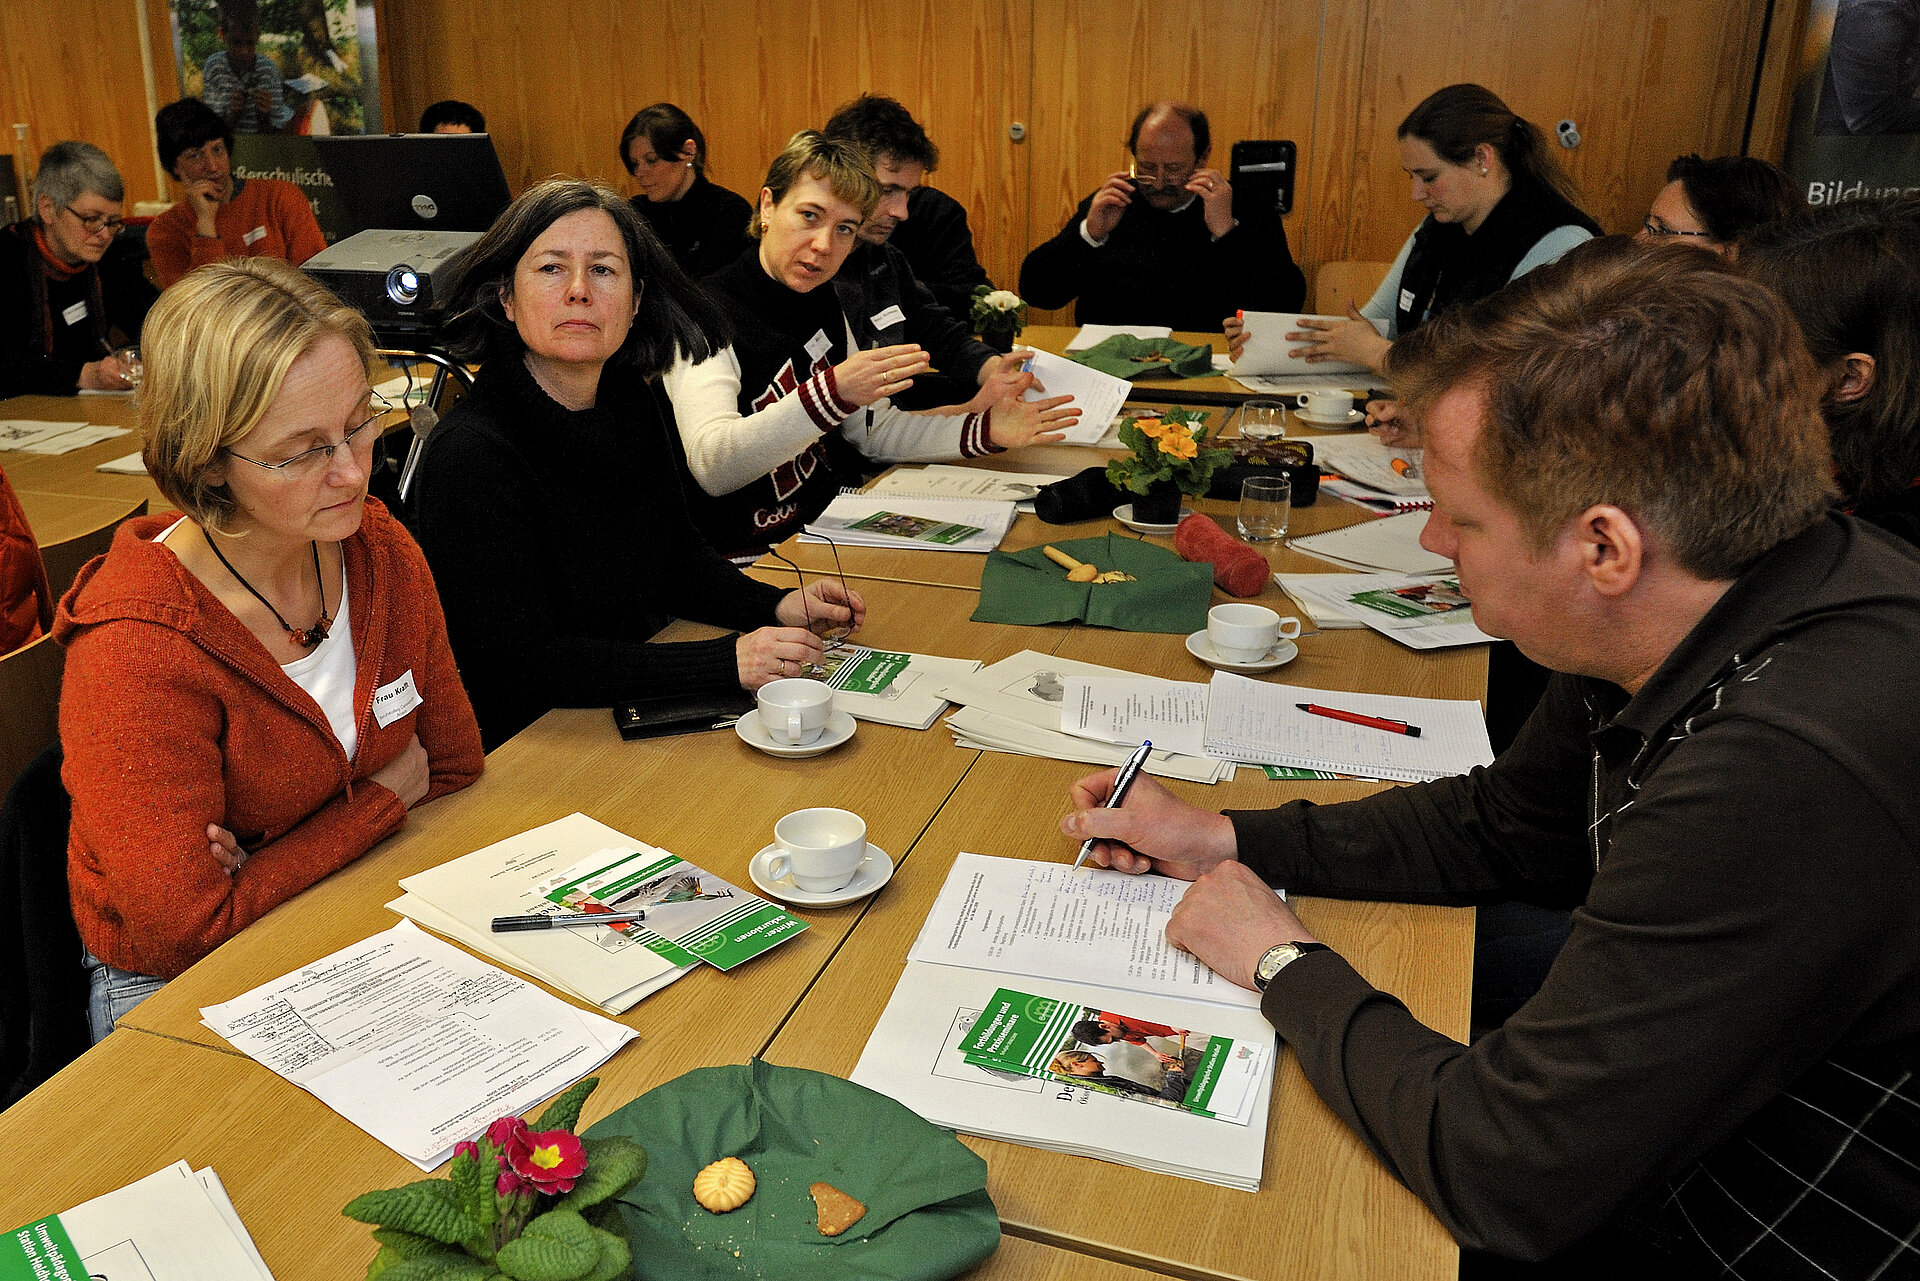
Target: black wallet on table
[{"x": 688, "y": 714}]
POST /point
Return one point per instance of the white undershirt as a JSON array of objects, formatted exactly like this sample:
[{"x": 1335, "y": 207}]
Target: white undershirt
[{"x": 328, "y": 673}]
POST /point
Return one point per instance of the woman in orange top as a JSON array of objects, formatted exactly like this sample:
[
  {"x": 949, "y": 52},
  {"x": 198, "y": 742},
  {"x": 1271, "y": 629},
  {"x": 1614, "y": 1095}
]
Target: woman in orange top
[{"x": 258, "y": 691}]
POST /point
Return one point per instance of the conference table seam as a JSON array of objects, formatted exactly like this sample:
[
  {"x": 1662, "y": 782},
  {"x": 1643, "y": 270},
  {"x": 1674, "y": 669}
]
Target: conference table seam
[
  {"x": 182, "y": 1040},
  {"x": 1093, "y": 1249}
]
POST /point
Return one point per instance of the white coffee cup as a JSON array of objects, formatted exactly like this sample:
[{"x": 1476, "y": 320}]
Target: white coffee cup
[
  {"x": 820, "y": 848},
  {"x": 1244, "y": 633},
  {"x": 1326, "y": 404},
  {"x": 794, "y": 711}
]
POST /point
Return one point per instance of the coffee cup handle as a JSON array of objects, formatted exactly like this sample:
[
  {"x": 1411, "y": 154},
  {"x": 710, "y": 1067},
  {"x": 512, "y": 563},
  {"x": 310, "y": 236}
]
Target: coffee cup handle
[
  {"x": 796, "y": 727},
  {"x": 779, "y": 867},
  {"x": 1289, "y": 623}
]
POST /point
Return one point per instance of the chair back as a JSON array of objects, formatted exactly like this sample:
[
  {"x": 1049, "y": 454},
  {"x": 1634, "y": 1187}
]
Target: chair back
[
  {"x": 1336, "y": 282},
  {"x": 64, "y": 559},
  {"x": 29, "y": 704},
  {"x": 43, "y": 1003}
]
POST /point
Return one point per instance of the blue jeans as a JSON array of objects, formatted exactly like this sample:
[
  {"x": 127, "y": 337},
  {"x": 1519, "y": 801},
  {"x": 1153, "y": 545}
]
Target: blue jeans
[{"x": 112, "y": 993}]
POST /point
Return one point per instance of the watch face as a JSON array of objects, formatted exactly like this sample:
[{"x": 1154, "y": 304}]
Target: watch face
[{"x": 1275, "y": 959}]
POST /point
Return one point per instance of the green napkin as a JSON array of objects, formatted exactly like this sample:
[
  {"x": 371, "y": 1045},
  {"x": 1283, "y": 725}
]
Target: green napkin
[
  {"x": 1171, "y": 595},
  {"x": 1125, "y": 356},
  {"x": 928, "y": 1215}
]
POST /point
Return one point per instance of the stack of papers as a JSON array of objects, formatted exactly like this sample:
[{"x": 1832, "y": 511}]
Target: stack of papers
[
  {"x": 575, "y": 865},
  {"x": 1268, "y": 352},
  {"x": 414, "y": 1041},
  {"x": 943, "y": 480},
  {"x": 177, "y": 1224},
  {"x": 889, "y": 688},
  {"x": 1015, "y": 705},
  {"x": 1391, "y": 544},
  {"x": 1236, "y": 719},
  {"x": 1092, "y": 938},
  {"x": 1324, "y": 615},
  {"x": 1094, "y": 335},
  {"x": 34, "y": 437},
  {"x": 920, "y": 524},
  {"x": 1098, "y": 396},
  {"x": 1419, "y": 612},
  {"x": 1368, "y": 474}
]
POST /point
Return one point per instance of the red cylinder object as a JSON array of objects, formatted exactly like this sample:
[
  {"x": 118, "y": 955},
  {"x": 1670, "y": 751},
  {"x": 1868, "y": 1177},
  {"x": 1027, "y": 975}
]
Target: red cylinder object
[{"x": 1237, "y": 568}]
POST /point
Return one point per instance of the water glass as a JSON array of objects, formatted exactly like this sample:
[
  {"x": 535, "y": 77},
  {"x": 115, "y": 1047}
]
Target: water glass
[
  {"x": 129, "y": 356},
  {"x": 1263, "y": 418},
  {"x": 1266, "y": 504}
]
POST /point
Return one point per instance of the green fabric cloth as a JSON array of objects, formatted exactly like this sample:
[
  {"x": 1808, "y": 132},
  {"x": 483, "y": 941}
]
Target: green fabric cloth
[
  {"x": 928, "y": 1214},
  {"x": 1171, "y": 595},
  {"x": 1124, "y": 356}
]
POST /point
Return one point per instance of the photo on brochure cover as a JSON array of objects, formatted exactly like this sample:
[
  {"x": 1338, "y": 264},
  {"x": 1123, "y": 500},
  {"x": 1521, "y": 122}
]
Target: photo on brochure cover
[{"x": 1417, "y": 600}]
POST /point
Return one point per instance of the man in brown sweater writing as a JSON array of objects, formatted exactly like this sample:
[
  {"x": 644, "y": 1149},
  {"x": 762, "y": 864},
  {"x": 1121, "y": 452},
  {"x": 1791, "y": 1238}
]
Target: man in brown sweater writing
[{"x": 1630, "y": 474}]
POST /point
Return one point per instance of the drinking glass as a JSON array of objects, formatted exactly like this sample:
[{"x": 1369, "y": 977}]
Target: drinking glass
[
  {"x": 129, "y": 355},
  {"x": 1266, "y": 504},
  {"x": 1263, "y": 418}
]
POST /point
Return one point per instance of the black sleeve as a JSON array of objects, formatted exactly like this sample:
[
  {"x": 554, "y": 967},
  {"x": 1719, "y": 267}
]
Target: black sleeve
[
  {"x": 1515, "y": 829},
  {"x": 940, "y": 243},
  {"x": 1255, "y": 260},
  {"x": 128, "y": 293},
  {"x": 1872, "y": 42},
  {"x": 1055, "y": 272},
  {"x": 23, "y": 371},
  {"x": 955, "y": 351},
  {"x": 493, "y": 554}
]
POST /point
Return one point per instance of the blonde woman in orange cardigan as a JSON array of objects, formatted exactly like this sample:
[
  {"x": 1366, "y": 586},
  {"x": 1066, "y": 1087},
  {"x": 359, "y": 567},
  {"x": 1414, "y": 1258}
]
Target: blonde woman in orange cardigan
[{"x": 258, "y": 691}]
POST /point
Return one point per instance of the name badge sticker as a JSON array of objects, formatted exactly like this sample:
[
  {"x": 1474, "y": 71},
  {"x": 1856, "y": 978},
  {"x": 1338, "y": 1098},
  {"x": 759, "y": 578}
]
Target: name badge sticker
[
  {"x": 891, "y": 316},
  {"x": 818, "y": 345},
  {"x": 1406, "y": 300},
  {"x": 255, "y": 236},
  {"x": 391, "y": 702},
  {"x": 75, "y": 314}
]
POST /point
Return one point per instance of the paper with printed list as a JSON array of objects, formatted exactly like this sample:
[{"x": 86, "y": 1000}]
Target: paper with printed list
[
  {"x": 416, "y": 1042},
  {"x": 1133, "y": 710}
]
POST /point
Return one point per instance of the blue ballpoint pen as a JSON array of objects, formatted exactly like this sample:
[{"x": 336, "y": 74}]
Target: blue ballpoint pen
[{"x": 1121, "y": 783}]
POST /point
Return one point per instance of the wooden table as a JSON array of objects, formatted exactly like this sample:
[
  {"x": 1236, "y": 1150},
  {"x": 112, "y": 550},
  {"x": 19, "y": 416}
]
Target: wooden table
[
  {"x": 1214, "y": 389},
  {"x": 167, "y": 1088}
]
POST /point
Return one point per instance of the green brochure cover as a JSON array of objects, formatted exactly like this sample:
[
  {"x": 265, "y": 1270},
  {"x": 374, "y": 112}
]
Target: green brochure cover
[
  {"x": 40, "y": 1251},
  {"x": 918, "y": 529}
]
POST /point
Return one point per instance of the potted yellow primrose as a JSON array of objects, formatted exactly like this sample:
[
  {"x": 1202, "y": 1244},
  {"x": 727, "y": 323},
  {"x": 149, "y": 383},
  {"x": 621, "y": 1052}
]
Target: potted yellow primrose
[{"x": 1169, "y": 458}]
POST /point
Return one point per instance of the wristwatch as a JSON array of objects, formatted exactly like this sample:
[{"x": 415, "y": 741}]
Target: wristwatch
[{"x": 1279, "y": 957}]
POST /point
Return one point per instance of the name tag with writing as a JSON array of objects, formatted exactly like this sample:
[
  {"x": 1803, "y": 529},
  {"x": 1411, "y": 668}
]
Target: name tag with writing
[
  {"x": 1406, "y": 300},
  {"x": 891, "y": 316},
  {"x": 255, "y": 236},
  {"x": 392, "y": 701},
  {"x": 75, "y": 314},
  {"x": 818, "y": 344}
]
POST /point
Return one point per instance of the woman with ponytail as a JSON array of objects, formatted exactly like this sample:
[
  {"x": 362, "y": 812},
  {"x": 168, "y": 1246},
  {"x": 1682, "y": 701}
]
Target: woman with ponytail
[{"x": 1497, "y": 207}]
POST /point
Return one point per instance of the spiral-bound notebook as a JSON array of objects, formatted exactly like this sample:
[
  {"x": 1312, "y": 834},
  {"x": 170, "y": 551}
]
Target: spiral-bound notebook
[{"x": 1261, "y": 724}]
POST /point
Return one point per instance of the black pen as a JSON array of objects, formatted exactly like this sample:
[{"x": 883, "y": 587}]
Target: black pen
[
  {"x": 1121, "y": 783},
  {"x": 564, "y": 920}
]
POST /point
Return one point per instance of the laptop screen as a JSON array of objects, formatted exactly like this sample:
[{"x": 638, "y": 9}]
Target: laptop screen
[{"x": 415, "y": 181}]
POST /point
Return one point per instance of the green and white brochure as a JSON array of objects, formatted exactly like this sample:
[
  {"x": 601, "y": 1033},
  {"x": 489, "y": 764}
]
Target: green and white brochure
[{"x": 1114, "y": 1054}]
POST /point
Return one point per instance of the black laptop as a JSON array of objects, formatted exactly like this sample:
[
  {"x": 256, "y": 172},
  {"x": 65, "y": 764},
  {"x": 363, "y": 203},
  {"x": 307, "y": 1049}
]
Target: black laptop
[{"x": 415, "y": 181}]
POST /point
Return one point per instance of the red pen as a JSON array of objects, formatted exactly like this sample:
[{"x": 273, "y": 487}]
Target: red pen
[{"x": 1357, "y": 718}]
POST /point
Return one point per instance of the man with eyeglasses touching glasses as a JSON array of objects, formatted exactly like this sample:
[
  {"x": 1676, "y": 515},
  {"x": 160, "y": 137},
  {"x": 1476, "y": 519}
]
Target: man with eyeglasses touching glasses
[
  {"x": 58, "y": 310},
  {"x": 1159, "y": 243},
  {"x": 220, "y": 215}
]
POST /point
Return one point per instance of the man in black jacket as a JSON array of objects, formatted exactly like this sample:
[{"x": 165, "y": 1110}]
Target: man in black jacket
[
  {"x": 1631, "y": 476},
  {"x": 1161, "y": 244}
]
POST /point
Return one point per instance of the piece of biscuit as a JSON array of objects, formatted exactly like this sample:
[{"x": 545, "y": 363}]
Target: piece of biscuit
[
  {"x": 725, "y": 1185},
  {"x": 838, "y": 1211}
]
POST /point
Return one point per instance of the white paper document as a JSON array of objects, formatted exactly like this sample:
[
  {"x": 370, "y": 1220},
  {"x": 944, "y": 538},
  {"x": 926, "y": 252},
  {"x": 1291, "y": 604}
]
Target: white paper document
[
  {"x": 891, "y": 688},
  {"x": 1098, "y": 396},
  {"x": 174, "y": 1225},
  {"x": 1363, "y": 459},
  {"x": 1295, "y": 384},
  {"x": 912, "y": 523},
  {"x": 1268, "y": 350},
  {"x": 33, "y": 436},
  {"x": 1261, "y": 723},
  {"x": 1094, "y": 335},
  {"x": 1131, "y": 710},
  {"x": 127, "y": 465},
  {"x": 942, "y": 480},
  {"x": 1311, "y": 604},
  {"x": 1419, "y": 612},
  {"x": 1391, "y": 543},
  {"x": 414, "y": 1041}
]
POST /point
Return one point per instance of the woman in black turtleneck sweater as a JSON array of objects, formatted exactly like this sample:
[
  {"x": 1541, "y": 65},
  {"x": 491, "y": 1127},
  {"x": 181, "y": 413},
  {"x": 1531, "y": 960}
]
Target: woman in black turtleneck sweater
[
  {"x": 549, "y": 502},
  {"x": 702, "y": 225}
]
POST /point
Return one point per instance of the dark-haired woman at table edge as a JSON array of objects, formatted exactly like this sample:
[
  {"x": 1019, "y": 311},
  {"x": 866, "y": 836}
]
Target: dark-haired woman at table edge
[{"x": 549, "y": 501}]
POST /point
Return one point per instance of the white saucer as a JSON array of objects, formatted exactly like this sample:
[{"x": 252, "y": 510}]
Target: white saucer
[
  {"x": 1124, "y": 514},
  {"x": 754, "y": 734},
  {"x": 875, "y": 870},
  {"x": 1351, "y": 418},
  {"x": 1200, "y": 645}
]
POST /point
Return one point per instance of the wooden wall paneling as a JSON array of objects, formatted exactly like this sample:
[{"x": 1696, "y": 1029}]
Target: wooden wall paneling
[
  {"x": 1331, "y": 178},
  {"x": 1780, "y": 74},
  {"x": 1643, "y": 81},
  {"x": 72, "y": 70}
]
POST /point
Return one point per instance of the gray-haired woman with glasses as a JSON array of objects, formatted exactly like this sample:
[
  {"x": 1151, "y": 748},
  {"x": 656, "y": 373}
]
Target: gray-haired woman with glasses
[
  {"x": 258, "y": 690},
  {"x": 59, "y": 304}
]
